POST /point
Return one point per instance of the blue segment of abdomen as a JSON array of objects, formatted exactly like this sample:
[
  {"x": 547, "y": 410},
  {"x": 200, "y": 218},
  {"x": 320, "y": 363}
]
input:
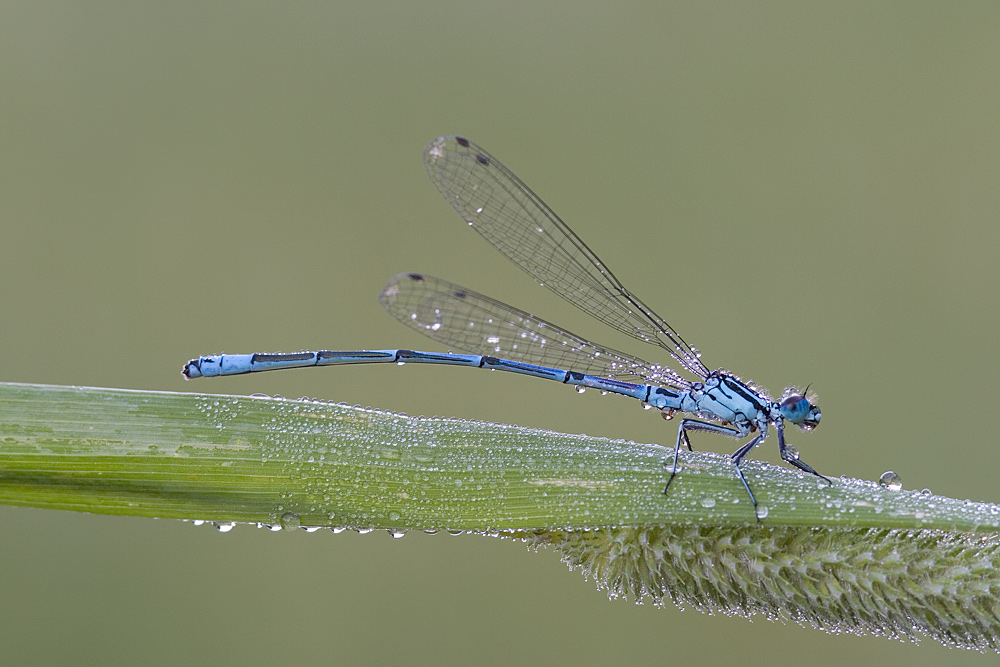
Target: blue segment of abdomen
[{"x": 237, "y": 364}]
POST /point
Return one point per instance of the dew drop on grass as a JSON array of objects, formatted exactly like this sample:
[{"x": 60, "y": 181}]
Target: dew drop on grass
[
  {"x": 891, "y": 481},
  {"x": 289, "y": 521}
]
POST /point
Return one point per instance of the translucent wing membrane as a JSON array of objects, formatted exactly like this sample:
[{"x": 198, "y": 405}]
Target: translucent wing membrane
[
  {"x": 469, "y": 322},
  {"x": 517, "y": 223}
]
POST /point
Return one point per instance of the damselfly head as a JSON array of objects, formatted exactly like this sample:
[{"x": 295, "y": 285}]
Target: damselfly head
[{"x": 796, "y": 408}]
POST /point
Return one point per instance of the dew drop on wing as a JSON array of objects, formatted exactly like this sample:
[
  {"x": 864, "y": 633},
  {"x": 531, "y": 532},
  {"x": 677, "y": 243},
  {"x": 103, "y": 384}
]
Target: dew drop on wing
[{"x": 427, "y": 315}]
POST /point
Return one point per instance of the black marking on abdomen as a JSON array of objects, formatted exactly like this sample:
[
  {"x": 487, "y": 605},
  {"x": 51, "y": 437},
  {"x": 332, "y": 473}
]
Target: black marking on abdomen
[
  {"x": 329, "y": 354},
  {"x": 295, "y": 356},
  {"x": 410, "y": 354}
]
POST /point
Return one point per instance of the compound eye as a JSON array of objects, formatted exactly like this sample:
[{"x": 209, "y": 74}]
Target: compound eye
[
  {"x": 796, "y": 408},
  {"x": 791, "y": 400}
]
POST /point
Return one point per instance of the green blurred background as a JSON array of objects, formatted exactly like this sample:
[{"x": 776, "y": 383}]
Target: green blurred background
[{"x": 806, "y": 191}]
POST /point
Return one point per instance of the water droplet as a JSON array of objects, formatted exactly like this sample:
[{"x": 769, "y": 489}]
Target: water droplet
[
  {"x": 580, "y": 389},
  {"x": 891, "y": 481},
  {"x": 427, "y": 315},
  {"x": 289, "y": 521},
  {"x": 225, "y": 527},
  {"x": 708, "y": 501},
  {"x": 396, "y": 534},
  {"x": 646, "y": 406},
  {"x": 667, "y": 414},
  {"x": 791, "y": 452},
  {"x": 926, "y": 492},
  {"x": 762, "y": 511}
]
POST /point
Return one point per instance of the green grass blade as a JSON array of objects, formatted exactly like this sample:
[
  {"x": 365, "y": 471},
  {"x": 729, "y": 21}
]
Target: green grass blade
[{"x": 851, "y": 557}]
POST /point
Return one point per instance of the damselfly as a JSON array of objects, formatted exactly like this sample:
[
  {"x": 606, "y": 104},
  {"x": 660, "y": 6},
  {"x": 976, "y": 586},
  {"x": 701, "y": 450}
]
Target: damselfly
[{"x": 518, "y": 224}]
